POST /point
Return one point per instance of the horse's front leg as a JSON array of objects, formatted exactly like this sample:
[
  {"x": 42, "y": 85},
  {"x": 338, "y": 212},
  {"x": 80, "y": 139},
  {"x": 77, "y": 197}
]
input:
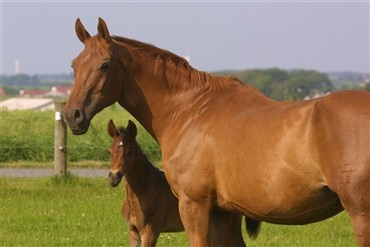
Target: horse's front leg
[{"x": 195, "y": 218}]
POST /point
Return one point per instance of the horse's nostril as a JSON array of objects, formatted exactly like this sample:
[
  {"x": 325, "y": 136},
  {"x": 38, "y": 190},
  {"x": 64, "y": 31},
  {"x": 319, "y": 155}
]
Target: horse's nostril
[{"x": 76, "y": 114}]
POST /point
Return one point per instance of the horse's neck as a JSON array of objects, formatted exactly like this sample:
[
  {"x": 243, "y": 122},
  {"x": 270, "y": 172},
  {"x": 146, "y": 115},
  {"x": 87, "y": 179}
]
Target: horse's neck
[
  {"x": 151, "y": 100},
  {"x": 141, "y": 174},
  {"x": 156, "y": 94}
]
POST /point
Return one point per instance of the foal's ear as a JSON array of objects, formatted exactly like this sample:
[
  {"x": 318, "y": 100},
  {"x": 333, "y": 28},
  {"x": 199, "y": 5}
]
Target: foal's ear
[
  {"x": 103, "y": 30},
  {"x": 112, "y": 129},
  {"x": 131, "y": 129},
  {"x": 81, "y": 32}
]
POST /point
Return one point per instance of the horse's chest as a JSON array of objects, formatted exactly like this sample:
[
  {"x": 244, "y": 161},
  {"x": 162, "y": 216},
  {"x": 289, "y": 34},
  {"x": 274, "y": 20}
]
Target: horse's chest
[{"x": 134, "y": 215}]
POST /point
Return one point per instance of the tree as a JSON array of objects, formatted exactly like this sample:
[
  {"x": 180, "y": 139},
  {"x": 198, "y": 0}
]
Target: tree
[{"x": 283, "y": 85}]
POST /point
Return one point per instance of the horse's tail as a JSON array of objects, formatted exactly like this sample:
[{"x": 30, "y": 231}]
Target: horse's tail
[{"x": 253, "y": 227}]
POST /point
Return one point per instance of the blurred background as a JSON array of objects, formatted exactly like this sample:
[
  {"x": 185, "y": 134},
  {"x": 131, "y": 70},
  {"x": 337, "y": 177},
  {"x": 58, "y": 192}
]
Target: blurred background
[{"x": 289, "y": 50}]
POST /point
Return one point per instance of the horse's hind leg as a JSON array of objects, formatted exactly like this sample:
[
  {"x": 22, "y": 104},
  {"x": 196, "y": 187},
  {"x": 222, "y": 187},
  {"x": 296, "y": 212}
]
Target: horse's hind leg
[
  {"x": 361, "y": 224},
  {"x": 225, "y": 229},
  {"x": 355, "y": 198},
  {"x": 359, "y": 211}
]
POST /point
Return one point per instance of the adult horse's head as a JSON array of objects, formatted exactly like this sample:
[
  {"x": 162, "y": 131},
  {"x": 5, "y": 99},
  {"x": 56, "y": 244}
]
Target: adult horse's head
[
  {"x": 95, "y": 70},
  {"x": 122, "y": 151}
]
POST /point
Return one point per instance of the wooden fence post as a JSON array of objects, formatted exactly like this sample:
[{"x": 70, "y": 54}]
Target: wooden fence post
[{"x": 60, "y": 141}]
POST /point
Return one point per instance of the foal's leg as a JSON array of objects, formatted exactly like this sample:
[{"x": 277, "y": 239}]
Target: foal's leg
[
  {"x": 195, "y": 217},
  {"x": 148, "y": 237},
  {"x": 134, "y": 239}
]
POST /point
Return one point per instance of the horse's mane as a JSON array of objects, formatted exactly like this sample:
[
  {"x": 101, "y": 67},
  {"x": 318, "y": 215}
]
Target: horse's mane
[
  {"x": 123, "y": 131},
  {"x": 176, "y": 71}
]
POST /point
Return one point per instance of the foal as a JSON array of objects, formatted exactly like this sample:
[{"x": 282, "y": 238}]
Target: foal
[{"x": 150, "y": 206}]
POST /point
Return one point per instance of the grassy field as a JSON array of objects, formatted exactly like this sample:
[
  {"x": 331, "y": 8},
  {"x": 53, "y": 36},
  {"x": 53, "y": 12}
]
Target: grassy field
[{"x": 86, "y": 212}]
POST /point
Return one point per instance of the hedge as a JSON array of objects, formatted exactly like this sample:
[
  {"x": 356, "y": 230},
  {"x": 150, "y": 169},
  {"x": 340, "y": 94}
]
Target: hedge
[{"x": 29, "y": 135}]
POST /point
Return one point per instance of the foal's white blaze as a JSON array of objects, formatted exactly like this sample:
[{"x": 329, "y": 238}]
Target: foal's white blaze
[{"x": 114, "y": 171}]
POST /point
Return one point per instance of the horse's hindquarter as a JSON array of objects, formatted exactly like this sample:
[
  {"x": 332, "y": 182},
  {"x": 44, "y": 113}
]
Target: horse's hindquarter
[
  {"x": 343, "y": 134},
  {"x": 258, "y": 160}
]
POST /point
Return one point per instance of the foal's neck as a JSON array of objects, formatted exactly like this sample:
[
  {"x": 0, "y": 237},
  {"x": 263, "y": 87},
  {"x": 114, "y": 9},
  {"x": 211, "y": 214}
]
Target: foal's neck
[{"x": 141, "y": 174}]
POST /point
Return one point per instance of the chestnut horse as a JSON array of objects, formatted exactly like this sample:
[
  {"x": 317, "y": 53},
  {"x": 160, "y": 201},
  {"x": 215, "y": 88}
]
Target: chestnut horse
[
  {"x": 150, "y": 207},
  {"x": 224, "y": 144}
]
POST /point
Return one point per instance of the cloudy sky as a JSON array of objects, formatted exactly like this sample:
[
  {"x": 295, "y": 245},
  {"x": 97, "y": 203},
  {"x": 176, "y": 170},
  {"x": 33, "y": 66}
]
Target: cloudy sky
[{"x": 321, "y": 35}]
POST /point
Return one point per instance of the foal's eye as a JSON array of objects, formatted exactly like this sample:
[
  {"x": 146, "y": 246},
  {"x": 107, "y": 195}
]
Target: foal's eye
[{"x": 105, "y": 66}]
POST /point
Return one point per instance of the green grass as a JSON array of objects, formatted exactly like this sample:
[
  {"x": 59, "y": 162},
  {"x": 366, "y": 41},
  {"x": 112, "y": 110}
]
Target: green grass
[
  {"x": 86, "y": 212},
  {"x": 65, "y": 212}
]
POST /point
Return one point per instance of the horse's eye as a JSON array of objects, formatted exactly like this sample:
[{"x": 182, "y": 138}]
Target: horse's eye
[
  {"x": 105, "y": 66},
  {"x": 128, "y": 152}
]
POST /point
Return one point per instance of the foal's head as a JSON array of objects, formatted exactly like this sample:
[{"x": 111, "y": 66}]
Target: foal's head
[{"x": 121, "y": 151}]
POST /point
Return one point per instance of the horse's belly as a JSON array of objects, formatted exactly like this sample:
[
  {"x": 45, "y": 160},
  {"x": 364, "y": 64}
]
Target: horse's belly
[{"x": 297, "y": 209}]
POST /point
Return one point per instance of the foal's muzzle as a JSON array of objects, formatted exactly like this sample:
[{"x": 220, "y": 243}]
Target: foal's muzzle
[{"x": 115, "y": 178}]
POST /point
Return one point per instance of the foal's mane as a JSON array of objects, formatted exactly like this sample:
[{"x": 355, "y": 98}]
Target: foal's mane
[
  {"x": 123, "y": 131},
  {"x": 176, "y": 71}
]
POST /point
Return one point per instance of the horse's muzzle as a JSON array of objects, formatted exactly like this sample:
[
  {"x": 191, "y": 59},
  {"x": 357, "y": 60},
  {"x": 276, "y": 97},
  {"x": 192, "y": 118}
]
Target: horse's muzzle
[
  {"x": 76, "y": 120},
  {"x": 115, "y": 178}
]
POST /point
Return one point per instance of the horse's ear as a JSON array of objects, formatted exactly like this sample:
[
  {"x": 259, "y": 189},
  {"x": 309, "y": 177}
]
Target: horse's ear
[
  {"x": 131, "y": 129},
  {"x": 103, "y": 30},
  {"x": 112, "y": 129},
  {"x": 81, "y": 32}
]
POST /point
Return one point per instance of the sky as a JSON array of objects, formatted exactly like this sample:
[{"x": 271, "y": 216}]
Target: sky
[{"x": 326, "y": 36}]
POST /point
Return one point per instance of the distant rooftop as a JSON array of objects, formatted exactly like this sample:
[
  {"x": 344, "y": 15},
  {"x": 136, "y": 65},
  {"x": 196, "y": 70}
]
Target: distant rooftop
[{"x": 27, "y": 104}]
